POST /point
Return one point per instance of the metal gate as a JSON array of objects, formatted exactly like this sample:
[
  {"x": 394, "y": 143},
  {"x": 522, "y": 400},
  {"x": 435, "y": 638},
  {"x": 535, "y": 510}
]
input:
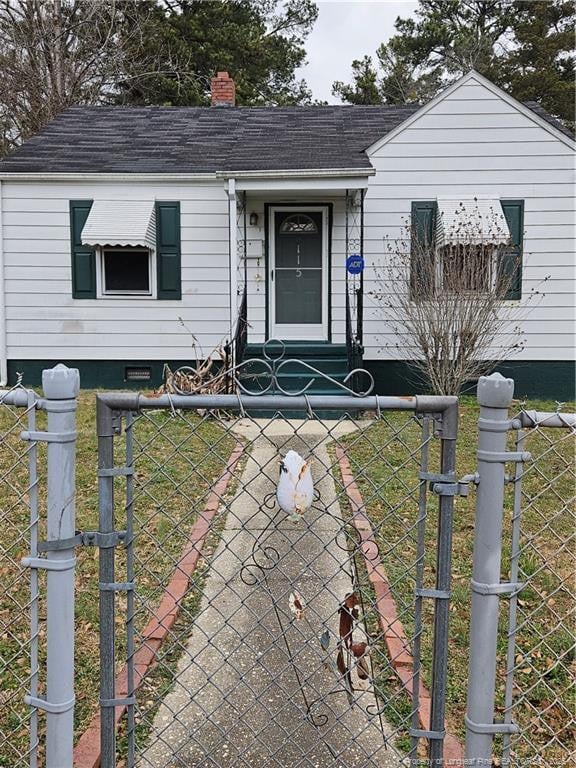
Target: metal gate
[{"x": 280, "y": 595}]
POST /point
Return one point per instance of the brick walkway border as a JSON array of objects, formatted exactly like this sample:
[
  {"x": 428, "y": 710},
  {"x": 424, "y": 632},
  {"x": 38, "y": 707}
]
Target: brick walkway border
[
  {"x": 395, "y": 638},
  {"x": 87, "y": 751}
]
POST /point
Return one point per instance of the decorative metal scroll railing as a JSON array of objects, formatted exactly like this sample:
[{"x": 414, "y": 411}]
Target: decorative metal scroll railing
[
  {"x": 263, "y": 375},
  {"x": 235, "y": 350}
]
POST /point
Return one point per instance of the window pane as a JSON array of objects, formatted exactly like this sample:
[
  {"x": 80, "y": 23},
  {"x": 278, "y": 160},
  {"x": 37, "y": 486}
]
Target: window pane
[
  {"x": 298, "y": 252},
  {"x": 299, "y": 296},
  {"x": 126, "y": 271},
  {"x": 467, "y": 268},
  {"x": 297, "y": 224}
]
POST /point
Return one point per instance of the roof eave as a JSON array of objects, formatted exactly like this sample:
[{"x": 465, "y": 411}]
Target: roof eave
[
  {"x": 304, "y": 173},
  {"x": 103, "y": 176}
]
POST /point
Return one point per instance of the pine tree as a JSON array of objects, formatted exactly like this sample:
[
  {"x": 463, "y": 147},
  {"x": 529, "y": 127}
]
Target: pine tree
[
  {"x": 260, "y": 42},
  {"x": 524, "y": 46},
  {"x": 541, "y": 66}
]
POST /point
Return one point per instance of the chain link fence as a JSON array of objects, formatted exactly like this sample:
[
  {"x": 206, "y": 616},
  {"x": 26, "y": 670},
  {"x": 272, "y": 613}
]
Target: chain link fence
[
  {"x": 21, "y": 611},
  {"x": 257, "y": 634},
  {"x": 250, "y": 619},
  {"x": 537, "y": 666}
]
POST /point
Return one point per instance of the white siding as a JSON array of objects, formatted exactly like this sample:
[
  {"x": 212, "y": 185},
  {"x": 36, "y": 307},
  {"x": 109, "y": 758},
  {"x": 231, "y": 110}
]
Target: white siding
[
  {"x": 474, "y": 142},
  {"x": 44, "y": 321}
]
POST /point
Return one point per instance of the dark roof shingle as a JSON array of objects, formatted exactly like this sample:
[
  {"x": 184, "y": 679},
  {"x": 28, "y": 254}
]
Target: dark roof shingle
[{"x": 200, "y": 139}]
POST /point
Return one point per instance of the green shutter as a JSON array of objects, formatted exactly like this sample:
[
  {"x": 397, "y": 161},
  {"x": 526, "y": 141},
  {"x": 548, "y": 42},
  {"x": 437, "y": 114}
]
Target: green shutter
[
  {"x": 83, "y": 258},
  {"x": 423, "y": 226},
  {"x": 168, "y": 263},
  {"x": 510, "y": 259}
]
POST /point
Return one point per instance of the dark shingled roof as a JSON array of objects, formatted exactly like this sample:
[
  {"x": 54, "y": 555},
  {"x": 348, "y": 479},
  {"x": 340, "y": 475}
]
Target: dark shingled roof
[
  {"x": 199, "y": 139},
  {"x": 541, "y": 112}
]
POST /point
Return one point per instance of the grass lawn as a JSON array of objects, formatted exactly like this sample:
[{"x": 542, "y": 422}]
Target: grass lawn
[
  {"x": 177, "y": 460},
  {"x": 385, "y": 461}
]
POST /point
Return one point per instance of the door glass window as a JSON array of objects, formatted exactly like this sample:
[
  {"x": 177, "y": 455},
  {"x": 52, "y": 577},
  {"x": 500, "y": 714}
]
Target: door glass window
[{"x": 298, "y": 224}]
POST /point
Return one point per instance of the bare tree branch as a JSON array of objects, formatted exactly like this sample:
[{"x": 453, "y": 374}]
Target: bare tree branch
[
  {"x": 444, "y": 304},
  {"x": 56, "y": 53}
]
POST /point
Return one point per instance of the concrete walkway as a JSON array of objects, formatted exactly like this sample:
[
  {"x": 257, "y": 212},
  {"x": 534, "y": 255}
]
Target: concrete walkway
[{"x": 252, "y": 678}]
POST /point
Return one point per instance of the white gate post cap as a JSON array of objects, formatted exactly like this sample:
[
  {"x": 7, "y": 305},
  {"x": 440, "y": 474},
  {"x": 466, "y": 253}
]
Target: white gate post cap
[
  {"x": 495, "y": 391},
  {"x": 61, "y": 382}
]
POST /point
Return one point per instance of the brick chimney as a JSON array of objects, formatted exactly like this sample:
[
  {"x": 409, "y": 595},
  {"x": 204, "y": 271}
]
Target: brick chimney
[{"x": 223, "y": 90}]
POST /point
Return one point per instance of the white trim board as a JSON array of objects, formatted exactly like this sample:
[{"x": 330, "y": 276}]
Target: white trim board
[
  {"x": 353, "y": 174},
  {"x": 319, "y": 184}
]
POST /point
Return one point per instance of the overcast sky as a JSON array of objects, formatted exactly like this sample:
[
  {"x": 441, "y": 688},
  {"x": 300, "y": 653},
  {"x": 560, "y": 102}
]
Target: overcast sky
[{"x": 347, "y": 30}]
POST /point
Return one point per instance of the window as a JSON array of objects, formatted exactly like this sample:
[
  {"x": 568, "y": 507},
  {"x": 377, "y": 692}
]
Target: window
[
  {"x": 467, "y": 267},
  {"x": 125, "y": 248},
  {"x": 471, "y": 245},
  {"x": 126, "y": 271},
  {"x": 298, "y": 224}
]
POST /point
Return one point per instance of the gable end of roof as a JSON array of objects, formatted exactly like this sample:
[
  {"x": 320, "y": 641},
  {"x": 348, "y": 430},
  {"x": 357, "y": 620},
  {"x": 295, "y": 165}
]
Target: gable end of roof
[{"x": 532, "y": 110}]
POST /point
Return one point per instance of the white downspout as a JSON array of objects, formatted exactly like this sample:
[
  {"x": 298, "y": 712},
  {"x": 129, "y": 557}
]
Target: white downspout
[
  {"x": 3, "y": 346},
  {"x": 233, "y": 253}
]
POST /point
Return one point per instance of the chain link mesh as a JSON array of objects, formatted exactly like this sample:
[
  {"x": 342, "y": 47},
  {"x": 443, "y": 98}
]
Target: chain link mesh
[
  {"x": 254, "y": 637},
  {"x": 21, "y": 614},
  {"x": 537, "y": 666},
  {"x": 257, "y": 638}
]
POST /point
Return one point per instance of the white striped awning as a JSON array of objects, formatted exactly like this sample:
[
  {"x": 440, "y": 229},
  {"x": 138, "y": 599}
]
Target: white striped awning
[
  {"x": 120, "y": 223},
  {"x": 478, "y": 221}
]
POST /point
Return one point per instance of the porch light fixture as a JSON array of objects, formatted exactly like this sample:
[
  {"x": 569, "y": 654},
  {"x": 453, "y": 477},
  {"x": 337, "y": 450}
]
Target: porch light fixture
[{"x": 253, "y": 219}]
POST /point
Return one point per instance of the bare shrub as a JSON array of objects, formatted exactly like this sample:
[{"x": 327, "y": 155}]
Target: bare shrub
[{"x": 445, "y": 298}]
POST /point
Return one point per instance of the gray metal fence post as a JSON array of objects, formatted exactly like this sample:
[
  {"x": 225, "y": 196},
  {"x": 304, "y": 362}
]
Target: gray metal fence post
[
  {"x": 106, "y": 434},
  {"x": 61, "y": 386},
  {"x": 443, "y": 582},
  {"x": 494, "y": 396}
]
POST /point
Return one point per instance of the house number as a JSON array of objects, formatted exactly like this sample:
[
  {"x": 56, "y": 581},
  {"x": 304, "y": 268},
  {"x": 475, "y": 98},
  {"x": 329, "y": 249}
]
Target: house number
[{"x": 298, "y": 273}]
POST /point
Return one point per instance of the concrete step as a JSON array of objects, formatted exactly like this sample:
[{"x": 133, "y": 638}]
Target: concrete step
[{"x": 299, "y": 349}]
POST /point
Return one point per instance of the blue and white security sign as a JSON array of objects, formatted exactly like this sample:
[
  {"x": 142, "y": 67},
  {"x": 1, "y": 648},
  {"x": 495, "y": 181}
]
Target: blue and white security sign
[{"x": 355, "y": 264}]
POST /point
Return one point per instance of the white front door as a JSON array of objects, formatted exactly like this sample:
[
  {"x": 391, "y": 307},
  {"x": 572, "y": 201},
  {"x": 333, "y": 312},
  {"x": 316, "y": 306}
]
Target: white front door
[{"x": 298, "y": 273}]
